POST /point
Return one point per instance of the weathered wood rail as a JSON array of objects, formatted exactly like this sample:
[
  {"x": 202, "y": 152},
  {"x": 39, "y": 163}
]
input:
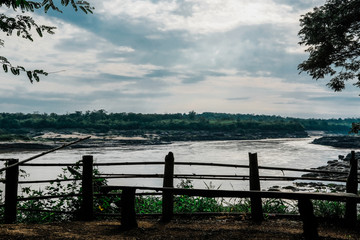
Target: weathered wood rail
[{"x": 128, "y": 217}]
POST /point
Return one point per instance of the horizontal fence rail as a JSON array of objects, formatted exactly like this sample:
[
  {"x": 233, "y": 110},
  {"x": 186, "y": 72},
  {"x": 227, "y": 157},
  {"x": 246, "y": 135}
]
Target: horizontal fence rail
[
  {"x": 188, "y": 164},
  {"x": 52, "y": 164},
  {"x": 192, "y": 176},
  {"x": 342, "y": 197},
  {"x": 221, "y": 177},
  {"x": 42, "y": 154},
  {"x": 49, "y": 181},
  {"x": 48, "y": 197}
]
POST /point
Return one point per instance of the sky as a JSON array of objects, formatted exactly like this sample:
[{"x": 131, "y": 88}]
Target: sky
[{"x": 172, "y": 56}]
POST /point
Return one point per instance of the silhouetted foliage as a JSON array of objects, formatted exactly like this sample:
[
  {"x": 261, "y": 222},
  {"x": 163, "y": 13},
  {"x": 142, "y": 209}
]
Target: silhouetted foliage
[
  {"x": 23, "y": 26},
  {"x": 331, "y": 32}
]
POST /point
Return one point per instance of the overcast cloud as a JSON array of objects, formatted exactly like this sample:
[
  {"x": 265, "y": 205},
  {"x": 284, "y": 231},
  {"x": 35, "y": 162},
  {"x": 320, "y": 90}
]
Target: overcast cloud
[{"x": 169, "y": 56}]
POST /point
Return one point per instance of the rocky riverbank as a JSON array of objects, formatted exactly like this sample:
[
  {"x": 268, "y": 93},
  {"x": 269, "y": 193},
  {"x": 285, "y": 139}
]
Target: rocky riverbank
[
  {"x": 339, "y": 141},
  {"x": 48, "y": 140},
  {"x": 341, "y": 165},
  {"x": 89, "y": 143},
  {"x": 193, "y": 135}
]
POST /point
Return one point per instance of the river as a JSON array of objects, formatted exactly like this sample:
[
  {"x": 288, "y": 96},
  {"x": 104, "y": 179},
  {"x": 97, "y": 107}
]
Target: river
[{"x": 294, "y": 153}]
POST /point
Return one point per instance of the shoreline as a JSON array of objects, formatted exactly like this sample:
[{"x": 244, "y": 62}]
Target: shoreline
[
  {"x": 349, "y": 141},
  {"x": 50, "y": 140}
]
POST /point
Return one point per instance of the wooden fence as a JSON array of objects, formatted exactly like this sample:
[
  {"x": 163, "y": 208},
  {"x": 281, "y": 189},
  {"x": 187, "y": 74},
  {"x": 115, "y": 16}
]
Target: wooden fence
[{"x": 87, "y": 209}]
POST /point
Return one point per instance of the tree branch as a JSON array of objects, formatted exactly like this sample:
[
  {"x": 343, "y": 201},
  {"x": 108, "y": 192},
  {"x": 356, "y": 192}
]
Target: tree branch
[{"x": 22, "y": 26}]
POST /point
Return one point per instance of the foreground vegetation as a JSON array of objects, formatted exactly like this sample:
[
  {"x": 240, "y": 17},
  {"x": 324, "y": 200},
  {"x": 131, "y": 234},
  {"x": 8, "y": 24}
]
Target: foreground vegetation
[
  {"x": 167, "y": 127},
  {"x": 48, "y": 210}
]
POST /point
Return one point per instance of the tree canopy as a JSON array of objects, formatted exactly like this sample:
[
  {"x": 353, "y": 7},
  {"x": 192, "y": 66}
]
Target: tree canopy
[
  {"x": 332, "y": 35},
  {"x": 23, "y": 26}
]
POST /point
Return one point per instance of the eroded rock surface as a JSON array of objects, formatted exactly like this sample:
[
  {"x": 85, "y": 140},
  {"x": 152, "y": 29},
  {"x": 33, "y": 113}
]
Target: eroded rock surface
[{"x": 341, "y": 165}]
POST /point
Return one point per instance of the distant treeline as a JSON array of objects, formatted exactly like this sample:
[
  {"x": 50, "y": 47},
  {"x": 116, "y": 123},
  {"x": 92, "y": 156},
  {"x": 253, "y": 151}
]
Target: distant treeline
[{"x": 102, "y": 121}]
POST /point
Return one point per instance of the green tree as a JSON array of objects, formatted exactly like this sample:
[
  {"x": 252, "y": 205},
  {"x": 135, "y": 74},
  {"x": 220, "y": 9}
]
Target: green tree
[
  {"x": 332, "y": 34},
  {"x": 192, "y": 115},
  {"x": 23, "y": 26}
]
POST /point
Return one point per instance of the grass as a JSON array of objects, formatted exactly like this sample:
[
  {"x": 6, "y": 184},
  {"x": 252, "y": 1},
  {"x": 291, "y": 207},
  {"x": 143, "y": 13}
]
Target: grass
[{"x": 329, "y": 209}]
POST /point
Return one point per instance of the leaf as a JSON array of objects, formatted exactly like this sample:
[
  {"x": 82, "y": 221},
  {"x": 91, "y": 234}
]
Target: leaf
[
  {"x": 5, "y": 67},
  {"x": 46, "y": 9},
  {"x": 74, "y": 5},
  {"x": 84, "y": 10},
  {"x": 36, "y": 77},
  {"x": 4, "y": 59},
  {"x": 39, "y": 31},
  {"x": 13, "y": 70},
  {"x": 20, "y": 68},
  {"x": 29, "y": 74},
  {"x": 45, "y": 2}
]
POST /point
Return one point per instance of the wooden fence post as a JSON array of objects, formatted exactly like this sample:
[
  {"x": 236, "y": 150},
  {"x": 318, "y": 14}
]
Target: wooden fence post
[
  {"x": 87, "y": 213},
  {"x": 351, "y": 187},
  {"x": 310, "y": 224},
  {"x": 167, "y": 197},
  {"x": 128, "y": 215},
  {"x": 256, "y": 206},
  {"x": 11, "y": 190}
]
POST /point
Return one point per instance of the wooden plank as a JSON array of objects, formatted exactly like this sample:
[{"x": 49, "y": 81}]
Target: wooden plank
[
  {"x": 128, "y": 163},
  {"x": 87, "y": 213},
  {"x": 49, "y": 197},
  {"x": 256, "y": 204},
  {"x": 52, "y": 164},
  {"x": 43, "y": 153},
  {"x": 260, "y": 167},
  {"x": 304, "y": 200},
  {"x": 244, "y": 194},
  {"x": 187, "y": 176},
  {"x": 188, "y": 164},
  {"x": 310, "y": 224},
  {"x": 49, "y": 181},
  {"x": 218, "y": 177},
  {"x": 128, "y": 216},
  {"x": 11, "y": 190},
  {"x": 168, "y": 199},
  {"x": 352, "y": 187}
]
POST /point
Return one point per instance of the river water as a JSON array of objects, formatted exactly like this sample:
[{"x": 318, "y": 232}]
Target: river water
[{"x": 294, "y": 153}]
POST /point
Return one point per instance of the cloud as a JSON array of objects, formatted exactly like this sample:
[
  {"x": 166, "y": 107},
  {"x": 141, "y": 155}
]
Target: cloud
[
  {"x": 303, "y": 5},
  {"x": 199, "y": 17},
  {"x": 346, "y": 100},
  {"x": 172, "y": 56},
  {"x": 238, "y": 99}
]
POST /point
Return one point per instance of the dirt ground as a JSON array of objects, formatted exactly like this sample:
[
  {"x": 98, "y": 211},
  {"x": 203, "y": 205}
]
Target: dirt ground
[{"x": 214, "y": 228}]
